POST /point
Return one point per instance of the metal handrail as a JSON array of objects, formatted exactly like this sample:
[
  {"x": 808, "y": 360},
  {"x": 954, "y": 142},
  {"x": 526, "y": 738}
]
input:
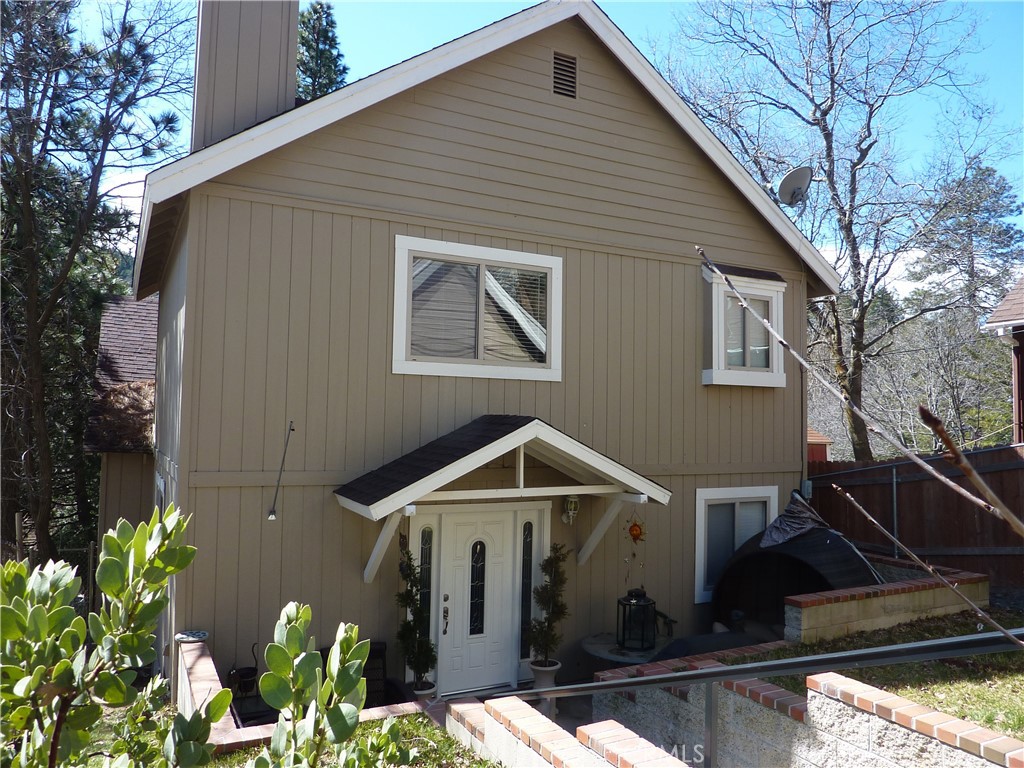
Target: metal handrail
[{"x": 921, "y": 650}]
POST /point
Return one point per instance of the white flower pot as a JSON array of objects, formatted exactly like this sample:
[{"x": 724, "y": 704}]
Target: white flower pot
[
  {"x": 425, "y": 694},
  {"x": 544, "y": 677}
]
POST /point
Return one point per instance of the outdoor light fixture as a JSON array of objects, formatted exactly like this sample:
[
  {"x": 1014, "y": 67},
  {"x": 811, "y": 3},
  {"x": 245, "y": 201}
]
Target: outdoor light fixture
[
  {"x": 272, "y": 514},
  {"x": 570, "y": 509}
]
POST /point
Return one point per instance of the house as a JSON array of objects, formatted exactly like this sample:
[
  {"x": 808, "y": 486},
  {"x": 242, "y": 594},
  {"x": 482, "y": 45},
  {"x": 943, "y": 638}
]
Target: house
[
  {"x": 1007, "y": 319},
  {"x": 120, "y": 425},
  {"x": 819, "y": 446},
  {"x": 459, "y": 300}
]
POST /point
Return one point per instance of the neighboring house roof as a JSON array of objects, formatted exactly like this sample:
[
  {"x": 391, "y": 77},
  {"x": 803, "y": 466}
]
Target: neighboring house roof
[
  {"x": 1010, "y": 311},
  {"x": 409, "y": 478},
  {"x": 164, "y": 187},
  {"x": 814, "y": 437},
  {"x": 121, "y": 415}
]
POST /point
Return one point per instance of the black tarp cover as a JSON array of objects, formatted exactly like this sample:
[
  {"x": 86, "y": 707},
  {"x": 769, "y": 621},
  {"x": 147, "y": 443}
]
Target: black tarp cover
[{"x": 798, "y": 553}]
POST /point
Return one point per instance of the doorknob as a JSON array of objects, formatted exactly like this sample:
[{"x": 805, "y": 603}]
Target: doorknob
[{"x": 444, "y": 615}]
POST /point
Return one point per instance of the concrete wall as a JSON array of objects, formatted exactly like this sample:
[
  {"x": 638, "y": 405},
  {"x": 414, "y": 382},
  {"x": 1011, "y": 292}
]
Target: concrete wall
[{"x": 844, "y": 723}]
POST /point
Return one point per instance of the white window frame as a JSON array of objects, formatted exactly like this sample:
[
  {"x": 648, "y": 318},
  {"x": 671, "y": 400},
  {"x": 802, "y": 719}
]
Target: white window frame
[
  {"x": 402, "y": 363},
  {"x": 707, "y": 496},
  {"x": 752, "y": 288}
]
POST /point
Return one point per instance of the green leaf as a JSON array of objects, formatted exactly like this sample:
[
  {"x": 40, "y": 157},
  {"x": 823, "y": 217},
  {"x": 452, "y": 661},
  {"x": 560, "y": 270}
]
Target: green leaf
[
  {"x": 361, "y": 652},
  {"x": 19, "y": 717},
  {"x": 12, "y": 623},
  {"x": 279, "y": 661},
  {"x": 342, "y": 720},
  {"x": 279, "y": 739},
  {"x": 60, "y": 618},
  {"x": 111, "y": 547},
  {"x": 37, "y": 625},
  {"x": 348, "y": 677},
  {"x": 293, "y": 640},
  {"x": 96, "y": 630},
  {"x": 111, "y": 577},
  {"x": 83, "y": 717},
  {"x": 190, "y": 754},
  {"x": 124, "y": 533},
  {"x": 111, "y": 689},
  {"x": 357, "y": 696},
  {"x": 306, "y": 669},
  {"x": 275, "y": 690},
  {"x": 150, "y": 612},
  {"x": 218, "y": 705}
]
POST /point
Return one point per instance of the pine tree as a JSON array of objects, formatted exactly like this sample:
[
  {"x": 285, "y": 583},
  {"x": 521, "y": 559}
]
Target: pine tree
[
  {"x": 321, "y": 66},
  {"x": 75, "y": 113}
]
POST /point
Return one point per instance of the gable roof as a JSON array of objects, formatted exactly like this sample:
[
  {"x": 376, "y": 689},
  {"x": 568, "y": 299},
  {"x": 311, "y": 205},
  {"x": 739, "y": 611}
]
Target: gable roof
[
  {"x": 412, "y": 477},
  {"x": 121, "y": 414},
  {"x": 1010, "y": 311},
  {"x": 165, "y": 185}
]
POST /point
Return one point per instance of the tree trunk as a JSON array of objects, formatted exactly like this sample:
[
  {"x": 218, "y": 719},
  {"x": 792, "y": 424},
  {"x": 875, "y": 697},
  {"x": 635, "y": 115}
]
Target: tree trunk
[{"x": 41, "y": 495}]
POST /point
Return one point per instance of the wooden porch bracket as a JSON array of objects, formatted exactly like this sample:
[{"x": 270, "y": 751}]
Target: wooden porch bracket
[
  {"x": 387, "y": 533},
  {"x": 599, "y": 531}
]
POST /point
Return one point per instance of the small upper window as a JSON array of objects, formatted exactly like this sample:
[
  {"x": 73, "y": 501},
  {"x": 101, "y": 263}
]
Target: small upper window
[
  {"x": 738, "y": 349},
  {"x": 464, "y": 310}
]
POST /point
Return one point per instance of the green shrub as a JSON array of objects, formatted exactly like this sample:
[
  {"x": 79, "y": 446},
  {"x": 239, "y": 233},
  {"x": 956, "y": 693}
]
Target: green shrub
[
  {"x": 319, "y": 708},
  {"x": 58, "y": 670}
]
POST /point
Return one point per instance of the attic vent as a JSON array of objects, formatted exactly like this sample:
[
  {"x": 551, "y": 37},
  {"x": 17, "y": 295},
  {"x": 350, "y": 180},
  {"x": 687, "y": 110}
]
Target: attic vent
[{"x": 564, "y": 75}]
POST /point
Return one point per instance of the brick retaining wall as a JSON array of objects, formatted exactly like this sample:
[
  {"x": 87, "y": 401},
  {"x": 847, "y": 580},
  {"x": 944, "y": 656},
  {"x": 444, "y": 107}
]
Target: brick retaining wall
[
  {"x": 839, "y": 722},
  {"x": 838, "y": 612}
]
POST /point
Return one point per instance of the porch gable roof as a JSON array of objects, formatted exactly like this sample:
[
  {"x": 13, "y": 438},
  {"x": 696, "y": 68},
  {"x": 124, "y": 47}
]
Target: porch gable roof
[{"x": 418, "y": 475}]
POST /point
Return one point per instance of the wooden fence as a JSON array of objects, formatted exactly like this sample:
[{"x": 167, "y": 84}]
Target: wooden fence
[{"x": 939, "y": 525}]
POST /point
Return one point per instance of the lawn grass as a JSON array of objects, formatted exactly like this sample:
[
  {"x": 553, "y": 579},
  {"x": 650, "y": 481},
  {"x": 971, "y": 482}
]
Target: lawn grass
[
  {"x": 434, "y": 746},
  {"x": 988, "y": 689}
]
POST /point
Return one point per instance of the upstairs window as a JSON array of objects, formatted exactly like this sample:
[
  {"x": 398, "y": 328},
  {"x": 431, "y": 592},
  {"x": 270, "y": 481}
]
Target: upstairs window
[
  {"x": 465, "y": 310},
  {"x": 738, "y": 348}
]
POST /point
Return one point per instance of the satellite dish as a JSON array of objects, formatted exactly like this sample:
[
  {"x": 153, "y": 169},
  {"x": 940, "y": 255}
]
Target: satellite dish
[{"x": 793, "y": 188}]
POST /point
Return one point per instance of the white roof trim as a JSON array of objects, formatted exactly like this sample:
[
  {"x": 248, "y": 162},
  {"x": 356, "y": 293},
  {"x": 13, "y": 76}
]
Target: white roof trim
[
  {"x": 225, "y": 155},
  {"x": 558, "y": 442},
  {"x": 1002, "y": 325}
]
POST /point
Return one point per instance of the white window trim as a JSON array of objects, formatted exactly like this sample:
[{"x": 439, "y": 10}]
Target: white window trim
[
  {"x": 751, "y": 288},
  {"x": 706, "y": 496},
  {"x": 400, "y": 362}
]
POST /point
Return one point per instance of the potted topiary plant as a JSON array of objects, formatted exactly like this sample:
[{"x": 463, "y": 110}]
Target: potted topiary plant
[
  {"x": 544, "y": 637},
  {"x": 414, "y": 632}
]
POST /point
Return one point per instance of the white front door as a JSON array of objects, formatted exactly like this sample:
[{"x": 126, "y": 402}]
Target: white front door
[{"x": 477, "y": 588}]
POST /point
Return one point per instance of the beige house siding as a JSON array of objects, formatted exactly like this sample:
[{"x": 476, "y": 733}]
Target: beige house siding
[
  {"x": 246, "y": 67},
  {"x": 126, "y": 489},
  {"x": 292, "y": 305},
  {"x": 489, "y": 144}
]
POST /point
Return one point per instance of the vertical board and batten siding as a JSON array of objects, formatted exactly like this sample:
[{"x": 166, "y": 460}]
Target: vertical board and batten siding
[
  {"x": 293, "y": 303},
  {"x": 126, "y": 489}
]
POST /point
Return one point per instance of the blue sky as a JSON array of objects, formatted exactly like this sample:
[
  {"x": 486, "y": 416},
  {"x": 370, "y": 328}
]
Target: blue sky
[{"x": 375, "y": 35}]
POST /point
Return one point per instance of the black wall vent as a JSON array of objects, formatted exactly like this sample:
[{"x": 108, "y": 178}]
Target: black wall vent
[{"x": 564, "y": 74}]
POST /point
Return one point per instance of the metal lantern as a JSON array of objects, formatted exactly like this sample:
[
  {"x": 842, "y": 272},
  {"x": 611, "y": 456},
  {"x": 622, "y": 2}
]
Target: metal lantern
[{"x": 637, "y": 619}]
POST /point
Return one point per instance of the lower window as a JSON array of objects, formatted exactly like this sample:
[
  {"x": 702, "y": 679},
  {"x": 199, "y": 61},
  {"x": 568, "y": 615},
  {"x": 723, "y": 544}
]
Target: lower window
[{"x": 726, "y": 518}]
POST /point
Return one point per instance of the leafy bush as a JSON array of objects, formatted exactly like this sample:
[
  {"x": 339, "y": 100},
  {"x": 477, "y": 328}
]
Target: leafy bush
[
  {"x": 319, "y": 708},
  {"x": 57, "y": 670},
  {"x": 418, "y": 649},
  {"x": 544, "y": 637}
]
